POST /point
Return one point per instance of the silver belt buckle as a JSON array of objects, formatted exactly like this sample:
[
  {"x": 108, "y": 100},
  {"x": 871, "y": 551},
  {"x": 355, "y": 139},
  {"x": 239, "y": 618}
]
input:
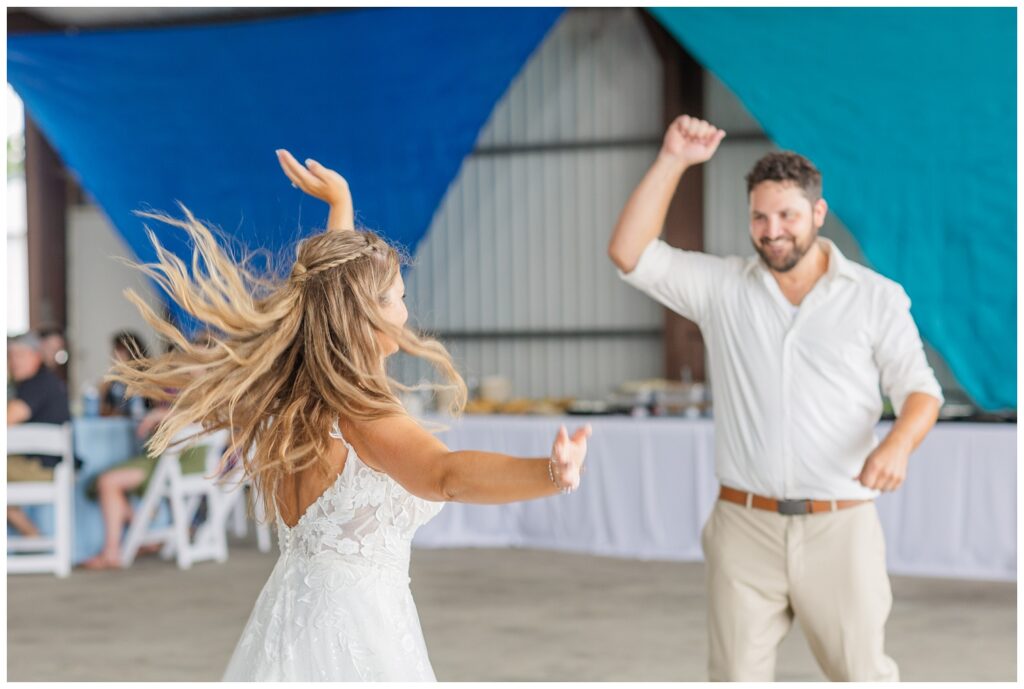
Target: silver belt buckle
[{"x": 794, "y": 507}]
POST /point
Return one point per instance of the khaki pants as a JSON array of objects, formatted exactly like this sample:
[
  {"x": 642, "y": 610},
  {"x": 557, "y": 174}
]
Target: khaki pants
[{"x": 827, "y": 570}]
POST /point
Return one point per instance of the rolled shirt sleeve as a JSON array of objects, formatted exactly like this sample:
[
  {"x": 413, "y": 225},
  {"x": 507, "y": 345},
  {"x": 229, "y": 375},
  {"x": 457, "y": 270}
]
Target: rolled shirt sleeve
[
  {"x": 683, "y": 281},
  {"x": 900, "y": 356}
]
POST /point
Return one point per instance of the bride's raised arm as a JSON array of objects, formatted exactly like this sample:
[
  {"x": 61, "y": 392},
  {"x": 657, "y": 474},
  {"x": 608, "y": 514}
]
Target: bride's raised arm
[{"x": 322, "y": 183}]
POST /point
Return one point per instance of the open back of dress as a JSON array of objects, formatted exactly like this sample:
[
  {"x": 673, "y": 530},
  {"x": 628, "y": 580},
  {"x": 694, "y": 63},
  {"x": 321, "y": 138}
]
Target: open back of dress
[{"x": 337, "y": 605}]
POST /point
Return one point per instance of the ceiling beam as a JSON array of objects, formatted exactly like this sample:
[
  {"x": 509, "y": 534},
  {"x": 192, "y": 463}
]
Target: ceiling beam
[{"x": 47, "y": 20}]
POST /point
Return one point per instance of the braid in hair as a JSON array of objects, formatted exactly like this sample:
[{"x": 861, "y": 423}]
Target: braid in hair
[{"x": 300, "y": 273}]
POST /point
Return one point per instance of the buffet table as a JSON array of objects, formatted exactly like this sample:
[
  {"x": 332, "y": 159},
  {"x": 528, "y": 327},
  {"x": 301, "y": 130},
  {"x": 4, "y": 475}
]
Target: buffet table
[{"x": 650, "y": 485}]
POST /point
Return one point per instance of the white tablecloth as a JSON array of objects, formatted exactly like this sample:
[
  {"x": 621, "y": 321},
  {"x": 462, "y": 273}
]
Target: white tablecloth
[{"x": 650, "y": 485}]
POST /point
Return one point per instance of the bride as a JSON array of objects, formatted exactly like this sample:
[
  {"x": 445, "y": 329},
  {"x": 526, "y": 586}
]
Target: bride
[{"x": 297, "y": 373}]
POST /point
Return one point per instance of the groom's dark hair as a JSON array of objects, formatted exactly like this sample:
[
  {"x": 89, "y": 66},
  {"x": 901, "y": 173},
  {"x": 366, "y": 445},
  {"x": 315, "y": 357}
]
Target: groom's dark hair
[{"x": 787, "y": 166}]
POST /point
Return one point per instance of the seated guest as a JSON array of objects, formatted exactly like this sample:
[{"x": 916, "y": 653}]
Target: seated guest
[
  {"x": 115, "y": 486},
  {"x": 114, "y": 399},
  {"x": 36, "y": 396},
  {"x": 55, "y": 349}
]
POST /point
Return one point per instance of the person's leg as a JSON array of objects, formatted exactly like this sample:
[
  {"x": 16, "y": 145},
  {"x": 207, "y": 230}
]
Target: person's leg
[
  {"x": 21, "y": 469},
  {"x": 841, "y": 593},
  {"x": 17, "y": 518},
  {"x": 748, "y": 604},
  {"x": 112, "y": 488}
]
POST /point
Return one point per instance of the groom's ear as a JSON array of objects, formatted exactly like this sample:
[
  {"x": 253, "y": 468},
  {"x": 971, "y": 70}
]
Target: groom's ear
[{"x": 820, "y": 212}]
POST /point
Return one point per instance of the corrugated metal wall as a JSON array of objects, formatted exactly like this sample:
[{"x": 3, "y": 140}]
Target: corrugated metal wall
[{"x": 513, "y": 274}]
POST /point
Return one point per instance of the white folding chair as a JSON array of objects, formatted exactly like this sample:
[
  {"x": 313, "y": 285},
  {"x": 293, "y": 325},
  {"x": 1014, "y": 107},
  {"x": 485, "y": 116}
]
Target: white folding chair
[
  {"x": 184, "y": 492},
  {"x": 51, "y": 440}
]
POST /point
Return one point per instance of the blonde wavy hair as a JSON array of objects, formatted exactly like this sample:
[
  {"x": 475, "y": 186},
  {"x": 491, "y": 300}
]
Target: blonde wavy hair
[{"x": 288, "y": 354}]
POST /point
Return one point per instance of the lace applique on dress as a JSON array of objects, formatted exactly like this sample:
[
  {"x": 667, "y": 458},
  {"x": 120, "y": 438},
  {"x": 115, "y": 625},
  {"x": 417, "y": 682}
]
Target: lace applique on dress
[{"x": 337, "y": 605}]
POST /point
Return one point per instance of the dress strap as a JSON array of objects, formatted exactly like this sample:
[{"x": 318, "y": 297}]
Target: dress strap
[{"x": 336, "y": 432}]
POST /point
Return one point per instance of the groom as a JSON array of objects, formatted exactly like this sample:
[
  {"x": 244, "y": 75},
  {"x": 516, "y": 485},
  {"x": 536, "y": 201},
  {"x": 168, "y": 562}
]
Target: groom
[{"x": 799, "y": 339}]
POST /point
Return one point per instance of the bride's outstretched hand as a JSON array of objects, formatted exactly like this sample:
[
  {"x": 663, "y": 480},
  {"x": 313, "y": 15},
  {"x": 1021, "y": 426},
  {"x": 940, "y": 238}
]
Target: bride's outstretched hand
[
  {"x": 322, "y": 183},
  {"x": 568, "y": 455}
]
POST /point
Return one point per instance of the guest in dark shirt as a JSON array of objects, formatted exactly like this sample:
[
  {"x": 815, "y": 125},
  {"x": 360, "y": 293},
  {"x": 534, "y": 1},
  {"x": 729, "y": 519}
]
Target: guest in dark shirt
[
  {"x": 114, "y": 399},
  {"x": 114, "y": 487},
  {"x": 37, "y": 396},
  {"x": 55, "y": 349}
]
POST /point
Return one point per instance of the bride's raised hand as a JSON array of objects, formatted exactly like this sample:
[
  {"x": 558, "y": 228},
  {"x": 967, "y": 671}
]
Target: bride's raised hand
[{"x": 322, "y": 183}]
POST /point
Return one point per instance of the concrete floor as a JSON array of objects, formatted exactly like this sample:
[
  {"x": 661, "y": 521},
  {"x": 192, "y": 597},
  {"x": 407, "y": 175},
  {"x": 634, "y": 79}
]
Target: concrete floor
[{"x": 487, "y": 615}]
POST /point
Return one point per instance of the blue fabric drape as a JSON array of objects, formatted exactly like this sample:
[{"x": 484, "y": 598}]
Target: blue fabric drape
[
  {"x": 911, "y": 116},
  {"x": 392, "y": 98}
]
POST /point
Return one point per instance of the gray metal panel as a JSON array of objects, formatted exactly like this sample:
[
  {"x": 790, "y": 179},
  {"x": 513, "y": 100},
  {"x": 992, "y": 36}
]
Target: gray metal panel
[
  {"x": 595, "y": 77},
  {"x": 519, "y": 242},
  {"x": 726, "y": 215},
  {"x": 724, "y": 110},
  {"x": 539, "y": 265}
]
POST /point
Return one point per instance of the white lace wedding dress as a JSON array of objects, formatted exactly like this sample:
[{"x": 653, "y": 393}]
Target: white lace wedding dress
[{"x": 337, "y": 605}]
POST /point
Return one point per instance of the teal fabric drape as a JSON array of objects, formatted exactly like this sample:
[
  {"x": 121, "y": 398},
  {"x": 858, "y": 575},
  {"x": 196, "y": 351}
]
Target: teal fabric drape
[{"x": 911, "y": 116}]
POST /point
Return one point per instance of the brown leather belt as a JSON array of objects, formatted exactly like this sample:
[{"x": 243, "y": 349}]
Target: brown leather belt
[{"x": 787, "y": 507}]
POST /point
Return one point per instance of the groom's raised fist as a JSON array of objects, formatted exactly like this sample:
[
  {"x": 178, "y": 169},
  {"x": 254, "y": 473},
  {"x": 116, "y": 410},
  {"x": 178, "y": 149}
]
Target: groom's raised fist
[{"x": 691, "y": 141}]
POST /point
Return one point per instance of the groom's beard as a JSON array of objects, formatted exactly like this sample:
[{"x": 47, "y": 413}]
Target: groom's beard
[{"x": 785, "y": 261}]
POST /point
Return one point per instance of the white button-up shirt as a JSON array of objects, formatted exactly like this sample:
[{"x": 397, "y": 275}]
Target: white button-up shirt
[{"x": 796, "y": 398}]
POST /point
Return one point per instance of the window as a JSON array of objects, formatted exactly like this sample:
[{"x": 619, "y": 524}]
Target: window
[{"x": 17, "y": 243}]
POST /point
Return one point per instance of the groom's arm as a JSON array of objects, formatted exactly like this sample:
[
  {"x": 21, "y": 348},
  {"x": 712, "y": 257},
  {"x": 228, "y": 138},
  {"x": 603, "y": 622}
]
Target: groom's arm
[
  {"x": 909, "y": 381},
  {"x": 688, "y": 141},
  {"x": 643, "y": 216},
  {"x": 886, "y": 467}
]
